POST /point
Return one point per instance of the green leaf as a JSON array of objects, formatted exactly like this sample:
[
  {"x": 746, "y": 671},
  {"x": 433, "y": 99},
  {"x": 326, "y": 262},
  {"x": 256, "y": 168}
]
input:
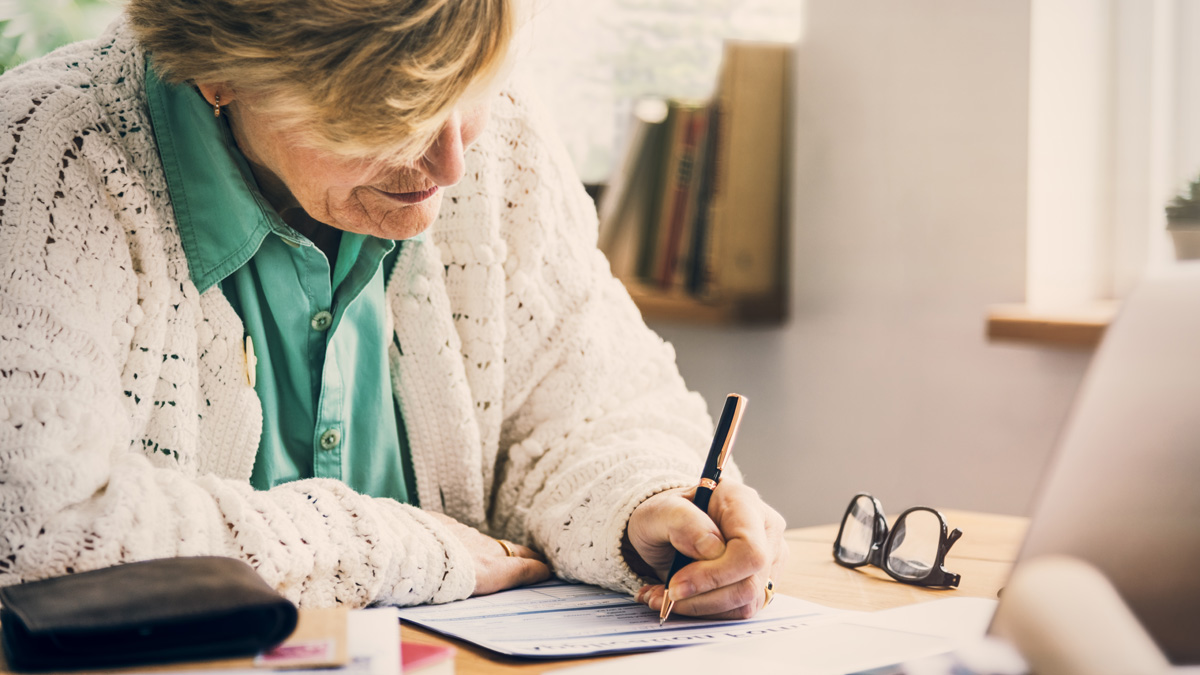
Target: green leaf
[{"x": 8, "y": 48}]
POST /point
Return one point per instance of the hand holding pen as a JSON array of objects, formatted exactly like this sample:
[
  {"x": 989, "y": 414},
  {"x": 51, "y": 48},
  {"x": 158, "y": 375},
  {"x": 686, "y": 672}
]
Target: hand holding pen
[
  {"x": 710, "y": 477},
  {"x": 738, "y": 543}
]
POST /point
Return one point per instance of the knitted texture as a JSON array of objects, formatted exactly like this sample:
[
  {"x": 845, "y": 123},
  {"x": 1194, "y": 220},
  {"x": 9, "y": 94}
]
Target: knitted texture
[{"x": 538, "y": 405}]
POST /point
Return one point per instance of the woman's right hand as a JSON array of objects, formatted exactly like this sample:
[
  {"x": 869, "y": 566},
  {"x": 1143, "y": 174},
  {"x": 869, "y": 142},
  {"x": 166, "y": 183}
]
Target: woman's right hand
[{"x": 495, "y": 570}]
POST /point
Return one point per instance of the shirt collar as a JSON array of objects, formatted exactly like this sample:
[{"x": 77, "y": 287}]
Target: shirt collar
[{"x": 222, "y": 216}]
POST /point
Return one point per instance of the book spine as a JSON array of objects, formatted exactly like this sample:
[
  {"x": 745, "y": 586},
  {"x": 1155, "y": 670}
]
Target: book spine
[
  {"x": 695, "y": 200},
  {"x": 691, "y": 121},
  {"x": 698, "y": 269},
  {"x": 710, "y": 282},
  {"x": 746, "y": 254},
  {"x": 657, "y": 167},
  {"x": 626, "y": 205},
  {"x": 614, "y": 201}
]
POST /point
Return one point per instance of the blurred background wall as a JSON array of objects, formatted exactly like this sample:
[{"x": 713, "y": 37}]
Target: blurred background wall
[{"x": 909, "y": 219}]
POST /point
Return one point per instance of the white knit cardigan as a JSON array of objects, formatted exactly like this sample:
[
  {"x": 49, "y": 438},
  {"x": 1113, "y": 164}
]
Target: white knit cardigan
[{"x": 538, "y": 405}]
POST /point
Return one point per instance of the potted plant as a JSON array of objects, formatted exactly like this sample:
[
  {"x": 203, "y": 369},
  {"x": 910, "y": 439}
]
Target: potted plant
[{"x": 1183, "y": 222}]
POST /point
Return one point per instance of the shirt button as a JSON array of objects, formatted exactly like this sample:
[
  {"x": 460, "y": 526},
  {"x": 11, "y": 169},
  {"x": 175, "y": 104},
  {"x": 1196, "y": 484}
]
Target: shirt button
[
  {"x": 322, "y": 320},
  {"x": 330, "y": 439}
]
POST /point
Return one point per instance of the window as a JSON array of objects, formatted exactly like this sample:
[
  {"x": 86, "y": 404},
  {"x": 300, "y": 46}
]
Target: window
[
  {"x": 30, "y": 28},
  {"x": 594, "y": 58},
  {"x": 1112, "y": 137}
]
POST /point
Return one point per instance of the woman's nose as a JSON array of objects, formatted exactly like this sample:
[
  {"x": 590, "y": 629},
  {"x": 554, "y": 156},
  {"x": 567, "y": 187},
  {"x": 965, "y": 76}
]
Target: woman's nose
[{"x": 443, "y": 161}]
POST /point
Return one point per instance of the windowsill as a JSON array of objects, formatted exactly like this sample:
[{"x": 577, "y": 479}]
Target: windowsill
[{"x": 1080, "y": 329}]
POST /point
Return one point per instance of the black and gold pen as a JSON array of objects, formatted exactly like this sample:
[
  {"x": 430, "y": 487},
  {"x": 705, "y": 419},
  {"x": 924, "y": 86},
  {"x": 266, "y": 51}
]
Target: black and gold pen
[{"x": 718, "y": 454}]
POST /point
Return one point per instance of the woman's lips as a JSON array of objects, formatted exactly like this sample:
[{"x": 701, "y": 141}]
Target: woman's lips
[{"x": 410, "y": 197}]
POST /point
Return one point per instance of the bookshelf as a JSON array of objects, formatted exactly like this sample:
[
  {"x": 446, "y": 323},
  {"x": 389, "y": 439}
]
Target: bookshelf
[
  {"x": 679, "y": 307},
  {"x": 694, "y": 218}
]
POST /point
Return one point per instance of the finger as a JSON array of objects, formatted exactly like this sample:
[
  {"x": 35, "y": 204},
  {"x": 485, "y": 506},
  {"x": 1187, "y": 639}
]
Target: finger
[
  {"x": 744, "y": 612},
  {"x": 739, "y": 597},
  {"x": 740, "y": 601},
  {"x": 527, "y": 571},
  {"x": 651, "y": 595},
  {"x": 776, "y": 527},
  {"x": 748, "y": 551},
  {"x": 687, "y": 529},
  {"x": 519, "y": 551},
  {"x": 775, "y": 524},
  {"x": 739, "y": 512},
  {"x": 503, "y": 573}
]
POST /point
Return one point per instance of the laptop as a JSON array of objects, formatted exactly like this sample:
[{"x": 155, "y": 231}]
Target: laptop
[{"x": 1123, "y": 489}]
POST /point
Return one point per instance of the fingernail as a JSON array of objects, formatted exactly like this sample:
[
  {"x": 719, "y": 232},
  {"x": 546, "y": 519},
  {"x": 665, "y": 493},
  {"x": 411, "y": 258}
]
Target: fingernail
[
  {"x": 710, "y": 546},
  {"x": 654, "y": 603},
  {"x": 681, "y": 590},
  {"x": 640, "y": 597}
]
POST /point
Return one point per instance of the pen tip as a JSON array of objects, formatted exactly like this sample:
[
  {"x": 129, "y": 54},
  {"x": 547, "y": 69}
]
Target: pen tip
[{"x": 668, "y": 605}]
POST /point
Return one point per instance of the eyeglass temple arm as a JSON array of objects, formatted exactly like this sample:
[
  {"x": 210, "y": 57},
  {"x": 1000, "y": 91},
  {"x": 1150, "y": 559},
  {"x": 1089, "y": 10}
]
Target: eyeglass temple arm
[
  {"x": 951, "y": 579},
  {"x": 954, "y": 536}
]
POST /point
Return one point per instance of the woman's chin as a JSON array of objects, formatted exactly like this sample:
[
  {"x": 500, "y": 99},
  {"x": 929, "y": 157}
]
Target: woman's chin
[{"x": 387, "y": 219}]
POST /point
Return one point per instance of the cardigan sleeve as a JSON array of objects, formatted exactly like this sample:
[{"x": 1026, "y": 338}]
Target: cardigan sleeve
[
  {"x": 99, "y": 420},
  {"x": 601, "y": 418}
]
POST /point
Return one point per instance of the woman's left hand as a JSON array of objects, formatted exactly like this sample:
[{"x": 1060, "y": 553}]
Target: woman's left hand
[
  {"x": 736, "y": 550},
  {"x": 498, "y": 566}
]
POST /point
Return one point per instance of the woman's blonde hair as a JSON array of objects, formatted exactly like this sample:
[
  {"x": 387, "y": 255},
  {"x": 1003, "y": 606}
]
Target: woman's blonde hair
[{"x": 366, "y": 79}]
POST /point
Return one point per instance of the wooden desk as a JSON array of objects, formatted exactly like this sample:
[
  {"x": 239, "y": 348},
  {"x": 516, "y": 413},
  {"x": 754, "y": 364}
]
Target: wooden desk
[{"x": 983, "y": 557}]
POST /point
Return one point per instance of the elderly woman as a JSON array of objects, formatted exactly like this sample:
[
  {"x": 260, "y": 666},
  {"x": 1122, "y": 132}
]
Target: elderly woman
[{"x": 307, "y": 284}]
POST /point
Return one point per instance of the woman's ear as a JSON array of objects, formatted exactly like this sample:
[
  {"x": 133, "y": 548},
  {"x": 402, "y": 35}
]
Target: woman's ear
[{"x": 211, "y": 92}]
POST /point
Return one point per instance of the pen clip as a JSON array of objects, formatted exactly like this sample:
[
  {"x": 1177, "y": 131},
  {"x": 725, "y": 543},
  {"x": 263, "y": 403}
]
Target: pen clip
[{"x": 734, "y": 421}]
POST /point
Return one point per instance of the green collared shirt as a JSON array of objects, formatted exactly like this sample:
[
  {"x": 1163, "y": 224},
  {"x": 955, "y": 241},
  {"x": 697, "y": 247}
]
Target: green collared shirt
[{"x": 320, "y": 334}]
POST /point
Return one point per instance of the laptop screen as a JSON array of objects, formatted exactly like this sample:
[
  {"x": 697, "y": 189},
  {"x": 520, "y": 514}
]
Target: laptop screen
[{"x": 1123, "y": 489}]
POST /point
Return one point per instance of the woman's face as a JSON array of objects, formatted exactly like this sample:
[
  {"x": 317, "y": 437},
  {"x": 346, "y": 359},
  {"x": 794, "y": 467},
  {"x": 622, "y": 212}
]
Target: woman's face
[{"x": 353, "y": 195}]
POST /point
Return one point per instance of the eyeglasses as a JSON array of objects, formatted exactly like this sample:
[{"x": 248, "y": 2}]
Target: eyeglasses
[{"x": 914, "y": 552}]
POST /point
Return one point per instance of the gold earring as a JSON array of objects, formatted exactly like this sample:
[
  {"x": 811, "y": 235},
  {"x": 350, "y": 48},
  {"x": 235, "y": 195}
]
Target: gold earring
[{"x": 217, "y": 105}]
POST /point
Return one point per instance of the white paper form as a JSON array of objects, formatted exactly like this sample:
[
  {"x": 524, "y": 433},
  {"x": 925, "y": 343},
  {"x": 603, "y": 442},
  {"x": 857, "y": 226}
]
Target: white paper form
[
  {"x": 556, "y": 619},
  {"x": 854, "y": 643}
]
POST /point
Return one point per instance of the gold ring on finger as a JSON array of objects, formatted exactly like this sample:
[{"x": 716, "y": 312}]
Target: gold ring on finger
[
  {"x": 769, "y": 591},
  {"x": 508, "y": 548}
]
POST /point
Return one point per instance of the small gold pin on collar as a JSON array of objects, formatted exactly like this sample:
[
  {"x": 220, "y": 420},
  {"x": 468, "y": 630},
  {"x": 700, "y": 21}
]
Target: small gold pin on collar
[{"x": 251, "y": 361}]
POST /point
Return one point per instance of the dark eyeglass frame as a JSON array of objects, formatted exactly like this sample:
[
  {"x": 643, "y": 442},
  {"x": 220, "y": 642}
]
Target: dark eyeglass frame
[{"x": 883, "y": 541}]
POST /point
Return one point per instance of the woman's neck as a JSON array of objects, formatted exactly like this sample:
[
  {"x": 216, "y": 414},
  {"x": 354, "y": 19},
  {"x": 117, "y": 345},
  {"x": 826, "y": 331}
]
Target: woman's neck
[
  {"x": 323, "y": 236},
  {"x": 285, "y": 204}
]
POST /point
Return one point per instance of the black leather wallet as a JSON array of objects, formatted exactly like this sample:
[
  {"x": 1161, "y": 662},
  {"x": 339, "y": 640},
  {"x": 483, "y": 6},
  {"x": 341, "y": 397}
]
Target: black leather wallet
[{"x": 158, "y": 610}]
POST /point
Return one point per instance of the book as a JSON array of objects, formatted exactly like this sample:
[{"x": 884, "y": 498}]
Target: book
[
  {"x": 424, "y": 659},
  {"x": 627, "y": 202},
  {"x": 745, "y": 257},
  {"x": 695, "y": 267},
  {"x": 698, "y": 199},
  {"x": 680, "y": 187},
  {"x": 660, "y": 181}
]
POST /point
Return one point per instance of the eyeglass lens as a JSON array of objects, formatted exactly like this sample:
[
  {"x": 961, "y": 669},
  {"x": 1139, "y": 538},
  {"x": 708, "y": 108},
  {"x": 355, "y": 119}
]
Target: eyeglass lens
[
  {"x": 914, "y": 545},
  {"x": 858, "y": 531}
]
